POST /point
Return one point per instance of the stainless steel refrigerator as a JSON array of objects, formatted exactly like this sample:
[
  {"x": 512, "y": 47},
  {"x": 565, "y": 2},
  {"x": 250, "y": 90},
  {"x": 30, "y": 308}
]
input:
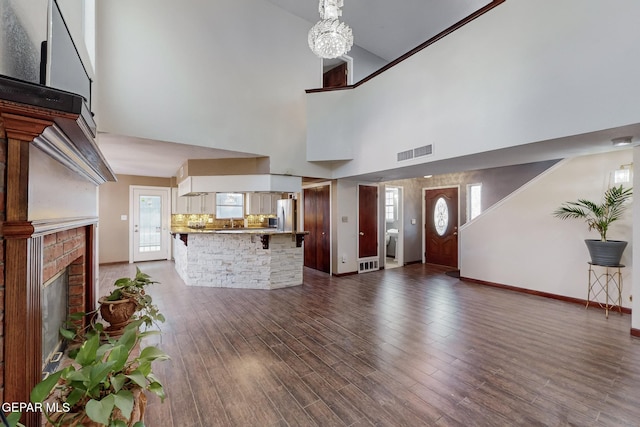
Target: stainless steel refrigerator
[{"x": 287, "y": 215}]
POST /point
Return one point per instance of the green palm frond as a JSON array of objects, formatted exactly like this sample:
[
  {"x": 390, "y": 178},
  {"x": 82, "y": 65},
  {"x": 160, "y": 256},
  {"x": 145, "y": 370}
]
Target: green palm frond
[{"x": 598, "y": 216}]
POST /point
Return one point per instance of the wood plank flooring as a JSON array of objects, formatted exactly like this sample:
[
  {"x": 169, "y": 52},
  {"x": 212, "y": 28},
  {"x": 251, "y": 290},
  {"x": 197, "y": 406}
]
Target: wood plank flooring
[{"x": 404, "y": 347}]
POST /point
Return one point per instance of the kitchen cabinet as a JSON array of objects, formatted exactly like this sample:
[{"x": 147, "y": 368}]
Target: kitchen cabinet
[
  {"x": 252, "y": 203},
  {"x": 274, "y": 202},
  {"x": 204, "y": 203},
  {"x": 261, "y": 203},
  {"x": 265, "y": 204},
  {"x": 208, "y": 203}
]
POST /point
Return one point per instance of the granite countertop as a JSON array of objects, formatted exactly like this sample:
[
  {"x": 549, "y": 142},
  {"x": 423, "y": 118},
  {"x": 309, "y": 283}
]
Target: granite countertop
[{"x": 250, "y": 230}]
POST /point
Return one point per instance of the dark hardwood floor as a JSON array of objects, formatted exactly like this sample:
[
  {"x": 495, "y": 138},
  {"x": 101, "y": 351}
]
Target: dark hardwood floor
[{"x": 404, "y": 347}]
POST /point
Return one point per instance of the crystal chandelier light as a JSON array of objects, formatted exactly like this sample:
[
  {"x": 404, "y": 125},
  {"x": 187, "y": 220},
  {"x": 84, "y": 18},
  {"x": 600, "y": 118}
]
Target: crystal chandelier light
[{"x": 330, "y": 38}]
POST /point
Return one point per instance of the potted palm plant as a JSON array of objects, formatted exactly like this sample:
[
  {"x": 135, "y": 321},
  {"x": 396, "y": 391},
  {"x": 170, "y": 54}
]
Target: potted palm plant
[{"x": 599, "y": 216}]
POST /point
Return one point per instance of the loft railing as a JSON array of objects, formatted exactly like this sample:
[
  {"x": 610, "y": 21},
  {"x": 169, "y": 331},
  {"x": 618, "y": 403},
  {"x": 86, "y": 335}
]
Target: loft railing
[{"x": 417, "y": 49}]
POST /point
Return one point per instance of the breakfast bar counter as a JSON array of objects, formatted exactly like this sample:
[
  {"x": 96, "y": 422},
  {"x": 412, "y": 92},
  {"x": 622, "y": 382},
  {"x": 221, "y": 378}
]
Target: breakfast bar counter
[{"x": 249, "y": 258}]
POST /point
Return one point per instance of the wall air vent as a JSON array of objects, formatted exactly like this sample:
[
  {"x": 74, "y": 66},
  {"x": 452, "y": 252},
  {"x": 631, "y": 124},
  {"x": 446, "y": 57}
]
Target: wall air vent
[
  {"x": 405, "y": 155},
  {"x": 423, "y": 151}
]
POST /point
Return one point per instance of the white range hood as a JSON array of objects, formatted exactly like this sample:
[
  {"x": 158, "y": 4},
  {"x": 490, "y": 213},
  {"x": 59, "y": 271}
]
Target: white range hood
[{"x": 194, "y": 185}]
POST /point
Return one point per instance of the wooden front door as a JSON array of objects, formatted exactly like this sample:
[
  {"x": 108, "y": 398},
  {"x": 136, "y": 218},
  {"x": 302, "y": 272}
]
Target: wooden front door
[
  {"x": 316, "y": 222},
  {"x": 441, "y": 227},
  {"x": 367, "y": 221}
]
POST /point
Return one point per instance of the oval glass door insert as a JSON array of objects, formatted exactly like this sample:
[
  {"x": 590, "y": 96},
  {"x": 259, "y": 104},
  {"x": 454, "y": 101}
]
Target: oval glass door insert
[{"x": 441, "y": 216}]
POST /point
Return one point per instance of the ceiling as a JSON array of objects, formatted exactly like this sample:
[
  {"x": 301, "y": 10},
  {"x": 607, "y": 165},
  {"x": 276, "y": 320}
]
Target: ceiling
[
  {"x": 147, "y": 157},
  {"x": 390, "y": 29},
  {"x": 387, "y": 30}
]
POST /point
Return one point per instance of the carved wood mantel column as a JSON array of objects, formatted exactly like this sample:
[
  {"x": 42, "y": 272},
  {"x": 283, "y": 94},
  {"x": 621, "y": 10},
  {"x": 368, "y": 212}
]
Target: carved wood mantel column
[
  {"x": 22, "y": 347},
  {"x": 56, "y": 122}
]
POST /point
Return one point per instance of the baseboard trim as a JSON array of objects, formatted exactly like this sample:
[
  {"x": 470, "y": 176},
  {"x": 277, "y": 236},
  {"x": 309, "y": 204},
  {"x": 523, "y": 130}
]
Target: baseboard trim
[
  {"x": 635, "y": 332},
  {"x": 625, "y": 310}
]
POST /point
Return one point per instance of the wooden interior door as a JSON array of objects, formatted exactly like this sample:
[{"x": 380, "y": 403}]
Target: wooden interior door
[
  {"x": 310, "y": 219},
  {"x": 367, "y": 221},
  {"x": 441, "y": 226},
  {"x": 335, "y": 77},
  {"x": 316, "y": 222}
]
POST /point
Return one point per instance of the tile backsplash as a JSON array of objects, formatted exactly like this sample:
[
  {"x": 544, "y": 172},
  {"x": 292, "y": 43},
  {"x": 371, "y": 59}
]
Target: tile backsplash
[{"x": 210, "y": 221}]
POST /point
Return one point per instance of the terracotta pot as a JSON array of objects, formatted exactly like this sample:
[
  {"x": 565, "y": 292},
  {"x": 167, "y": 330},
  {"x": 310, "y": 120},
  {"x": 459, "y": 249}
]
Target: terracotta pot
[
  {"x": 137, "y": 414},
  {"x": 117, "y": 313}
]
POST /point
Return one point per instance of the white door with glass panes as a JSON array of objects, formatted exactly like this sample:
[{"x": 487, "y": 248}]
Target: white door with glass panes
[{"x": 150, "y": 222}]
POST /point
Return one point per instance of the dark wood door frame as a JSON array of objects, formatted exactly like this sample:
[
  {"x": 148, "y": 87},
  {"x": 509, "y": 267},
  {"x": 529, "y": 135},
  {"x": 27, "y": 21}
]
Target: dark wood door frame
[
  {"x": 368, "y": 224},
  {"x": 424, "y": 219},
  {"x": 317, "y": 246}
]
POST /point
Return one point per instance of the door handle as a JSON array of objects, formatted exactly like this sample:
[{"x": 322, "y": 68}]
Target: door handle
[{"x": 361, "y": 233}]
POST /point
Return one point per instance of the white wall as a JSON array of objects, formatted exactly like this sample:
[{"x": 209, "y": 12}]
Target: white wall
[
  {"x": 23, "y": 25},
  {"x": 33, "y": 17},
  {"x": 223, "y": 74},
  {"x": 27, "y": 26},
  {"x": 518, "y": 242},
  {"x": 527, "y": 71},
  {"x": 364, "y": 63},
  {"x": 57, "y": 192},
  {"x": 345, "y": 234}
]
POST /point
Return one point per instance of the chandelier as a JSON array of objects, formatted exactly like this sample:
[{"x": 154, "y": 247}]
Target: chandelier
[{"x": 330, "y": 38}]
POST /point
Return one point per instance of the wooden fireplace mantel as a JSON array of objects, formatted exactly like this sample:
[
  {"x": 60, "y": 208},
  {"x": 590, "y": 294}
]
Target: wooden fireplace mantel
[{"x": 59, "y": 124}]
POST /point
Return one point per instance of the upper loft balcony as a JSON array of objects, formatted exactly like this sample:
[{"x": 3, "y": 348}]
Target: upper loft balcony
[{"x": 528, "y": 81}]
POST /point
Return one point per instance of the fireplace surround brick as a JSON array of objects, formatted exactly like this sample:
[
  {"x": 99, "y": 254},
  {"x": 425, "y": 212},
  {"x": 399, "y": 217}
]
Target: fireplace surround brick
[{"x": 66, "y": 249}]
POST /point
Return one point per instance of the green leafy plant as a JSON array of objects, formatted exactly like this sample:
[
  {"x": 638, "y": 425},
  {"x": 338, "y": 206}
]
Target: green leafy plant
[
  {"x": 134, "y": 289},
  {"x": 102, "y": 380},
  {"x": 13, "y": 420},
  {"x": 598, "y": 216}
]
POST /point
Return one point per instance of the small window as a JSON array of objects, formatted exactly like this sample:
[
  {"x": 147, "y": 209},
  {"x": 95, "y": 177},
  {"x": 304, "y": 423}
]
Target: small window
[
  {"x": 474, "y": 192},
  {"x": 622, "y": 176},
  {"x": 390, "y": 204},
  {"x": 229, "y": 205},
  {"x": 441, "y": 216}
]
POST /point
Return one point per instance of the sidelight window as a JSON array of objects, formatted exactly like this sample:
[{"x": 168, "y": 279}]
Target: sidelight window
[{"x": 474, "y": 203}]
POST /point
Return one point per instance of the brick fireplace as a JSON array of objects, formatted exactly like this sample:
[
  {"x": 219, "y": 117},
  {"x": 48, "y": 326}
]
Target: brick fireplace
[
  {"x": 64, "y": 255},
  {"x": 51, "y": 167},
  {"x": 64, "y": 249}
]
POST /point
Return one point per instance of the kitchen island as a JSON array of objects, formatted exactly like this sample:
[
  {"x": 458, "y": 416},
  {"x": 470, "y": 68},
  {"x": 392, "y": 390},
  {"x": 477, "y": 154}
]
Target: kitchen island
[{"x": 247, "y": 258}]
